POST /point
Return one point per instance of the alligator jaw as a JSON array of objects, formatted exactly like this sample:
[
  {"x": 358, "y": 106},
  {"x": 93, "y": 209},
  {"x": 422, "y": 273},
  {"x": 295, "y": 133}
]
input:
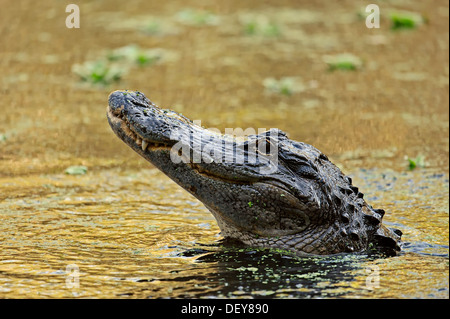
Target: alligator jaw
[
  {"x": 120, "y": 122},
  {"x": 147, "y": 129},
  {"x": 127, "y": 133},
  {"x": 145, "y": 147}
]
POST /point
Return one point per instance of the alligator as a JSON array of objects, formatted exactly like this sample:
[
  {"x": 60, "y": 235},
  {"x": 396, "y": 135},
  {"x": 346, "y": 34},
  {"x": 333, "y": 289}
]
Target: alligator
[{"x": 264, "y": 190}]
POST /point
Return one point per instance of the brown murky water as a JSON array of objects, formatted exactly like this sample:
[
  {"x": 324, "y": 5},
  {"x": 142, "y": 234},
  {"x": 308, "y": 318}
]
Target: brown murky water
[{"x": 125, "y": 230}]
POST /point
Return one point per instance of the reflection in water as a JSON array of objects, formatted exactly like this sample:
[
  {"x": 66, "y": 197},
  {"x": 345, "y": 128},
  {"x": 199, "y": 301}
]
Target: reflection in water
[
  {"x": 259, "y": 273},
  {"x": 128, "y": 236}
]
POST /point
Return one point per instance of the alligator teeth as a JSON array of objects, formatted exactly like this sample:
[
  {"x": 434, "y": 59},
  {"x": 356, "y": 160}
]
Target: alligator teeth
[{"x": 144, "y": 145}]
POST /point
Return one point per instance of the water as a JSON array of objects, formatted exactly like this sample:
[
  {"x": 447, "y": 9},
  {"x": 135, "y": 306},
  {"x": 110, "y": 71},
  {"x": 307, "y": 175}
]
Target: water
[
  {"x": 121, "y": 235},
  {"x": 124, "y": 230}
]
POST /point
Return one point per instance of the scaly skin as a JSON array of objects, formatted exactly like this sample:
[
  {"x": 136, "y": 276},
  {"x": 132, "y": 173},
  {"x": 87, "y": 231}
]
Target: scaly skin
[{"x": 265, "y": 191}]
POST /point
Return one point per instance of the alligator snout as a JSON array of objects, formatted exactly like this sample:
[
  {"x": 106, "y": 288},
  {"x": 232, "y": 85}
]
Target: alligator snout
[
  {"x": 119, "y": 99},
  {"x": 116, "y": 99}
]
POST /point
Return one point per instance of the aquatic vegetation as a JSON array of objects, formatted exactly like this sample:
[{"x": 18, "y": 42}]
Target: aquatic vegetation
[
  {"x": 284, "y": 86},
  {"x": 259, "y": 25},
  {"x": 405, "y": 20},
  {"x": 419, "y": 161},
  {"x": 76, "y": 170},
  {"x": 344, "y": 61},
  {"x": 114, "y": 64},
  {"x": 157, "y": 26},
  {"x": 197, "y": 17},
  {"x": 152, "y": 27},
  {"x": 134, "y": 54},
  {"x": 255, "y": 28},
  {"x": 98, "y": 72}
]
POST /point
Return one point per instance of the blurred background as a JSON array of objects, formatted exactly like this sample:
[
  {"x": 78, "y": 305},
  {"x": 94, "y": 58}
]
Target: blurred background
[
  {"x": 375, "y": 100},
  {"x": 257, "y": 64}
]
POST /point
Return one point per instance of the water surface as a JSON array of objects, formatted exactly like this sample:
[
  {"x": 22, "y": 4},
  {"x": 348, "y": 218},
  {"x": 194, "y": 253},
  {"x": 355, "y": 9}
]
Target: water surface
[
  {"x": 124, "y": 230},
  {"x": 128, "y": 236}
]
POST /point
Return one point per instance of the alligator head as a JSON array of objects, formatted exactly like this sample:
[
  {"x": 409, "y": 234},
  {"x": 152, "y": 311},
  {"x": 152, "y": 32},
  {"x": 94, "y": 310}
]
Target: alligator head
[{"x": 265, "y": 190}]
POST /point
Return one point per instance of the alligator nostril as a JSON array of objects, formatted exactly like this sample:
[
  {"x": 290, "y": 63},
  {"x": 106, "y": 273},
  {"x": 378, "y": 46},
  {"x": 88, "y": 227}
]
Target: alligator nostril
[{"x": 117, "y": 99}]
